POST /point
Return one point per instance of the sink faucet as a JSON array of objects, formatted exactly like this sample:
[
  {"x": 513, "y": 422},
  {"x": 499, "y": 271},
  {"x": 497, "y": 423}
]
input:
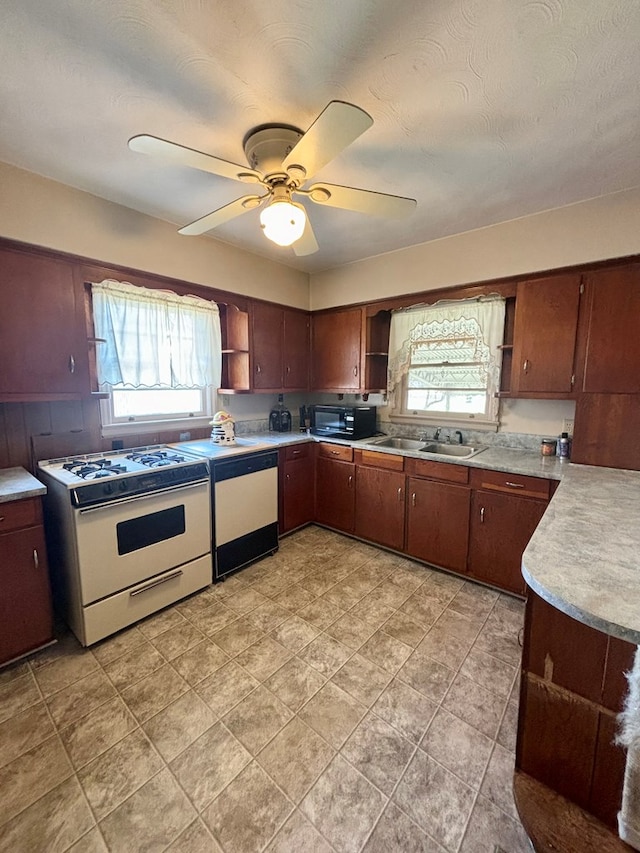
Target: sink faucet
[
  {"x": 436, "y": 435},
  {"x": 459, "y": 434}
]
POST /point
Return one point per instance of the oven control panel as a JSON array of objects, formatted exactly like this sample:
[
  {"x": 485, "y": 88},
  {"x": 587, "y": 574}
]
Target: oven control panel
[{"x": 107, "y": 490}]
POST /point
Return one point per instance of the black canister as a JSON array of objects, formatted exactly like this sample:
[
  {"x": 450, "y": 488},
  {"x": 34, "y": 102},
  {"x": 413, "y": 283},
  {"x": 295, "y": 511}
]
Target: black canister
[{"x": 280, "y": 417}]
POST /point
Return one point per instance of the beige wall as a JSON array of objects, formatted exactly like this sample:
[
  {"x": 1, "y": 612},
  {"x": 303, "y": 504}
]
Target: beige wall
[
  {"x": 39, "y": 211},
  {"x": 606, "y": 227}
]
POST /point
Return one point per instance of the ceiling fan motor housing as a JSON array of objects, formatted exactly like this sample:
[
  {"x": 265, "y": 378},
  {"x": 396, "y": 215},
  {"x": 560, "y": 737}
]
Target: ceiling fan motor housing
[{"x": 267, "y": 146}]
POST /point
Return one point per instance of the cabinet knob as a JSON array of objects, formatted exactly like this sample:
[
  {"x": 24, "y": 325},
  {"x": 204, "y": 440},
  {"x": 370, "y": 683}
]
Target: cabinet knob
[
  {"x": 288, "y": 369},
  {"x": 258, "y": 368},
  {"x": 400, "y": 494},
  {"x": 350, "y": 480},
  {"x": 288, "y": 477},
  {"x": 413, "y": 499},
  {"x": 355, "y": 370},
  {"x": 525, "y": 366},
  {"x": 36, "y": 560},
  {"x": 481, "y": 515},
  {"x": 72, "y": 364}
]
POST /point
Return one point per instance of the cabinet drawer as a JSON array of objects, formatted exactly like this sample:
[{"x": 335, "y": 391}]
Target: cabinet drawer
[
  {"x": 336, "y": 451},
  {"x": 380, "y": 460},
  {"x": 437, "y": 470},
  {"x": 516, "y": 484},
  {"x": 298, "y": 451},
  {"x": 17, "y": 514}
]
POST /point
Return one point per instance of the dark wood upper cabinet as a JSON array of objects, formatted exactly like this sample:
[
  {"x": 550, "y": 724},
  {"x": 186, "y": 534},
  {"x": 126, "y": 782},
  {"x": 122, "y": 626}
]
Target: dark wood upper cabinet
[
  {"x": 544, "y": 337},
  {"x": 612, "y": 333},
  {"x": 279, "y": 348},
  {"x": 295, "y": 362},
  {"x": 43, "y": 342},
  {"x": 336, "y": 350}
]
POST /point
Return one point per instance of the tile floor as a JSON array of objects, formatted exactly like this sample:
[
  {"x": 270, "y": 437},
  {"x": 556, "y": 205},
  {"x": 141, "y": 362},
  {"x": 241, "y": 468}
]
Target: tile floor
[{"x": 333, "y": 697}]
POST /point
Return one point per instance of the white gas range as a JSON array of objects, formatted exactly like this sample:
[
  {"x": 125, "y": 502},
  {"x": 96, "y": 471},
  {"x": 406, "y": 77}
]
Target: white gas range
[{"x": 129, "y": 533}]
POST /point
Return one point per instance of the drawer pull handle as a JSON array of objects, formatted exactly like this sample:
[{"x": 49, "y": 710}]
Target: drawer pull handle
[
  {"x": 156, "y": 583},
  {"x": 481, "y": 515},
  {"x": 335, "y": 453},
  {"x": 296, "y": 452},
  {"x": 36, "y": 560},
  {"x": 514, "y": 485}
]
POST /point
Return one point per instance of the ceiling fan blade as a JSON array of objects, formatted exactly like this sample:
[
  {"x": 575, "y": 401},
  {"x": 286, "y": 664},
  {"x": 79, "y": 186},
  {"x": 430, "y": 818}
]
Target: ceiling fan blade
[
  {"x": 362, "y": 201},
  {"x": 222, "y": 215},
  {"x": 307, "y": 244},
  {"x": 337, "y": 126},
  {"x": 189, "y": 157}
]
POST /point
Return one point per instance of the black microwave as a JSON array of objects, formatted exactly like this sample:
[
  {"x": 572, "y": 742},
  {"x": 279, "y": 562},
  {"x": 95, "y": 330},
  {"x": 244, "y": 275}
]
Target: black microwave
[{"x": 343, "y": 421}]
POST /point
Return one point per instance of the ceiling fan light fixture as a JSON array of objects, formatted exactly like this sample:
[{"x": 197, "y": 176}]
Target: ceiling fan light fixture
[{"x": 283, "y": 221}]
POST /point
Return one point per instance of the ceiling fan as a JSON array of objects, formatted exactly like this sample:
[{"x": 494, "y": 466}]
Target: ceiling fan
[{"x": 282, "y": 160}]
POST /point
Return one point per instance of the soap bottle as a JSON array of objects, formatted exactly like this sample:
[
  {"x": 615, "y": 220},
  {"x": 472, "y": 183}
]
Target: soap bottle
[{"x": 564, "y": 446}]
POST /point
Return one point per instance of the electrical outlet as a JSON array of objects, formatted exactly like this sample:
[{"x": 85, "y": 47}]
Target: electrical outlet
[
  {"x": 567, "y": 425},
  {"x": 225, "y": 399},
  {"x": 185, "y": 436}
]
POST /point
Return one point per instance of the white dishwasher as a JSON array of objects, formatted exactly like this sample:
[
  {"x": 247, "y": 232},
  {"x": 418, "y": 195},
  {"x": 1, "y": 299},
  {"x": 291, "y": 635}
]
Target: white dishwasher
[{"x": 245, "y": 510}]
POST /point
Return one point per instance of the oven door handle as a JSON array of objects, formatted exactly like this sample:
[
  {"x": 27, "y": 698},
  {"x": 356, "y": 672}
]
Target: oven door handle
[
  {"x": 120, "y": 501},
  {"x": 156, "y": 583}
]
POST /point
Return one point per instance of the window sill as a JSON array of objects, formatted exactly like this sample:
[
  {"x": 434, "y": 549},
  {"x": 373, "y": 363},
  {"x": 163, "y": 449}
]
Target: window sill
[{"x": 445, "y": 421}]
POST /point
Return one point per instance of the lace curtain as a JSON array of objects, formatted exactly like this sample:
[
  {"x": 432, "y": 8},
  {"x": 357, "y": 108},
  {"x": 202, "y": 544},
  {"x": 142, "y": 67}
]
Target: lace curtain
[
  {"x": 155, "y": 339},
  {"x": 461, "y": 336}
]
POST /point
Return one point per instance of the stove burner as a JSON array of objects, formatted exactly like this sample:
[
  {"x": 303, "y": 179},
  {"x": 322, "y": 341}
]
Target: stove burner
[
  {"x": 156, "y": 459},
  {"x": 91, "y": 470}
]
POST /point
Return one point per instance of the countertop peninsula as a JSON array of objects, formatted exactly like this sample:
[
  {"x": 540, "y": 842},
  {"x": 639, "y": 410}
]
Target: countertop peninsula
[{"x": 584, "y": 557}]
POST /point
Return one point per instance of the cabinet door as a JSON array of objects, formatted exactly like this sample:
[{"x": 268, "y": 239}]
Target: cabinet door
[
  {"x": 335, "y": 493},
  {"x": 297, "y": 493},
  {"x": 295, "y": 363},
  {"x": 438, "y": 523},
  {"x": 500, "y": 529},
  {"x": 26, "y": 620},
  {"x": 336, "y": 350},
  {"x": 266, "y": 346},
  {"x": 613, "y": 332},
  {"x": 544, "y": 337},
  {"x": 380, "y": 502},
  {"x": 43, "y": 346}
]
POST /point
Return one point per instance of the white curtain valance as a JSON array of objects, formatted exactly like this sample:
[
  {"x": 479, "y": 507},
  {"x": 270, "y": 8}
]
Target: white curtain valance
[
  {"x": 155, "y": 339},
  {"x": 454, "y": 322}
]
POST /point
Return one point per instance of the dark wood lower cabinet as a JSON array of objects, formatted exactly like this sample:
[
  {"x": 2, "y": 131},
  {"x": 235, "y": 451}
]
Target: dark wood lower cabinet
[
  {"x": 501, "y": 526},
  {"x": 297, "y": 487},
  {"x": 335, "y": 493},
  {"x": 438, "y": 523},
  {"x": 26, "y": 618},
  {"x": 380, "y": 501},
  {"x": 572, "y": 691}
]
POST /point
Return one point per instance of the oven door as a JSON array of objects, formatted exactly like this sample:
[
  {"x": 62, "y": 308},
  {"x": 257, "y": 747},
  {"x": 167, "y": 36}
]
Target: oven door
[{"x": 125, "y": 542}]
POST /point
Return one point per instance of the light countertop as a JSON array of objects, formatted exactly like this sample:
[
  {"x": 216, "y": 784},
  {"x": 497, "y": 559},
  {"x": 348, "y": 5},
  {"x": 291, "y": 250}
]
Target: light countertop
[
  {"x": 584, "y": 557},
  {"x": 16, "y": 484}
]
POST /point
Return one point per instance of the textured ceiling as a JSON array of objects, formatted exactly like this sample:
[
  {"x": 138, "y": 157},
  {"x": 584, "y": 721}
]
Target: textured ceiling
[{"x": 484, "y": 110}]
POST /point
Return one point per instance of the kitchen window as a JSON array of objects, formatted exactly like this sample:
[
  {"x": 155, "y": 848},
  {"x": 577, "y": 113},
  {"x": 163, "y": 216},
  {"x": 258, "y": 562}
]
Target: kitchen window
[
  {"x": 444, "y": 362},
  {"x": 159, "y": 357}
]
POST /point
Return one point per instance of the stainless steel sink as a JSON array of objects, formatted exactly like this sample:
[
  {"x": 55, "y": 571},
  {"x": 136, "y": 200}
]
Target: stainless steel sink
[
  {"x": 439, "y": 448},
  {"x": 399, "y": 443},
  {"x": 461, "y": 451}
]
